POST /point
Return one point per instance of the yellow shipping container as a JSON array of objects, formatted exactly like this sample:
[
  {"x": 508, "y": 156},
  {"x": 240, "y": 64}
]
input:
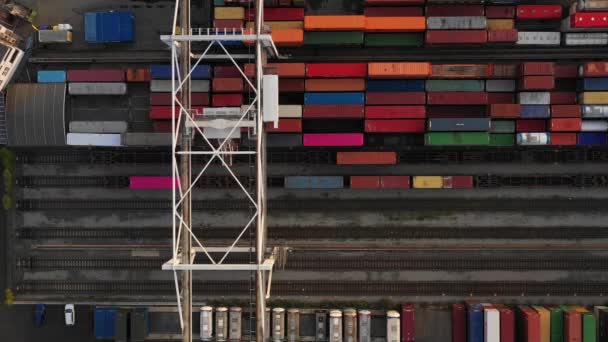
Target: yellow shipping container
[
  {"x": 428, "y": 182},
  {"x": 229, "y": 13},
  {"x": 279, "y": 25},
  {"x": 594, "y": 97},
  {"x": 501, "y": 24}
]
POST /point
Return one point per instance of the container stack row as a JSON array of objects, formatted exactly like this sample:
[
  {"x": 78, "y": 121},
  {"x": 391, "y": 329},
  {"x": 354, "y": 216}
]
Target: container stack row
[
  {"x": 419, "y": 22},
  {"x": 496, "y": 322}
]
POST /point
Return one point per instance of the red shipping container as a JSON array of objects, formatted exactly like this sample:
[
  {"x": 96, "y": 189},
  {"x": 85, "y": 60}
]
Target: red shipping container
[
  {"x": 395, "y": 182},
  {"x": 537, "y": 83},
  {"x": 393, "y": 12},
  {"x": 454, "y": 11},
  {"x": 459, "y": 323},
  {"x": 566, "y": 71},
  {"x": 285, "y": 126},
  {"x": 529, "y": 126},
  {"x": 277, "y": 14},
  {"x": 138, "y": 75},
  {"x": 456, "y": 37},
  {"x": 364, "y": 182},
  {"x": 227, "y": 100},
  {"x": 395, "y": 112},
  {"x": 494, "y": 98},
  {"x": 395, "y": 98},
  {"x": 502, "y": 36},
  {"x": 538, "y": 68},
  {"x": 565, "y": 125},
  {"x": 164, "y": 99},
  {"x": 333, "y": 111},
  {"x": 336, "y": 70},
  {"x": 563, "y": 139},
  {"x": 457, "y": 182},
  {"x": 505, "y": 70},
  {"x": 366, "y": 158},
  {"x": 457, "y": 98},
  {"x": 532, "y": 325},
  {"x": 284, "y": 70},
  {"x": 395, "y": 126},
  {"x": 507, "y": 325},
  {"x": 573, "y": 326},
  {"x": 539, "y": 11},
  {"x": 566, "y": 111},
  {"x": 500, "y": 12},
  {"x": 227, "y": 85},
  {"x": 164, "y": 126},
  {"x": 226, "y": 71},
  {"x": 291, "y": 85},
  {"x": 505, "y": 110},
  {"x": 589, "y": 20},
  {"x": 563, "y": 97},
  {"x": 227, "y": 23},
  {"x": 408, "y": 323},
  {"x": 595, "y": 69},
  {"x": 96, "y": 75}
]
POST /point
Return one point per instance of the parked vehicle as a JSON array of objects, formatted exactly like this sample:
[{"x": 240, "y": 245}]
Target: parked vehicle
[
  {"x": 40, "y": 314},
  {"x": 69, "y": 313}
]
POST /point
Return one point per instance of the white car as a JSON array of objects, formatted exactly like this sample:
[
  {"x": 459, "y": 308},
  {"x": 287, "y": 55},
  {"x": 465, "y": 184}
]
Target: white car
[{"x": 69, "y": 314}]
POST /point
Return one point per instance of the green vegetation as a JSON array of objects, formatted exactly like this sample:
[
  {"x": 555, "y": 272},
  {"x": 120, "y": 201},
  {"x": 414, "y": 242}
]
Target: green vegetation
[{"x": 8, "y": 164}]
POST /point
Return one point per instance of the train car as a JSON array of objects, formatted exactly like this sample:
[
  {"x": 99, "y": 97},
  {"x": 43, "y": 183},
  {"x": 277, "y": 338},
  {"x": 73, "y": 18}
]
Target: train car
[
  {"x": 278, "y": 324},
  {"x": 320, "y": 325},
  {"x": 350, "y": 325},
  {"x": 206, "y": 322},
  {"x": 335, "y": 326},
  {"x": 365, "y": 325},
  {"x": 408, "y": 323},
  {"x": 221, "y": 324},
  {"x": 236, "y": 317},
  {"x": 393, "y": 331},
  {"x": 293, "y": 325}
]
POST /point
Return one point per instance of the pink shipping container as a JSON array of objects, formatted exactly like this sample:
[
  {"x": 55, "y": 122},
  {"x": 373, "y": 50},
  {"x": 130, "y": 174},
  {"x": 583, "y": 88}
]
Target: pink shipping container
[
  {"x": 152, "y": 182},
  {"x": 333, "y": 139},
  {"x": 96, "y": 75}
]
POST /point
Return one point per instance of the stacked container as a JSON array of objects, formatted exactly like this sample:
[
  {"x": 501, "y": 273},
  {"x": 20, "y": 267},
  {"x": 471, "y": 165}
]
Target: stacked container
[
  {"x": 594, "y": 100},
  {"x": 394, "y": 25},
  {"x": 535, "y": 85}
]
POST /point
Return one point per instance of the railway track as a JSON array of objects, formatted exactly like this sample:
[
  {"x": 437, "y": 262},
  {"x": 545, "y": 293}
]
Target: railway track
[{"x": 321, "y": 288}]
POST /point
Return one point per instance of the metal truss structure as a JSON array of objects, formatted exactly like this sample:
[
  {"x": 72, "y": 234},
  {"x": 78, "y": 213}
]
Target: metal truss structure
[{"x": 189, "y": 253}]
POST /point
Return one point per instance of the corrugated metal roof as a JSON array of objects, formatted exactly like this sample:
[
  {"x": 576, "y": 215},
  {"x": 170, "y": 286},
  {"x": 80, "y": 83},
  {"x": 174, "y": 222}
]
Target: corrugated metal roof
[{"x": 35, "y": 114}]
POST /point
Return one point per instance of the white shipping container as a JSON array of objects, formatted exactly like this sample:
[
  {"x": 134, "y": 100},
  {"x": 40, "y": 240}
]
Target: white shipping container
[
  {"x": 232, "y": 112},
  {"x": 214, "y": 133},
  {"x": 393, "y": 323},
  {"x": 97, "y": 88},
  {"x": 50, "y": 36},
  {"x": 577, "y": 39},
  {"x": 500, "y": 85},
  {"x": 538, "y": 38},
  {"x": 533, "y": 139},
  {"x": 93, "y": 139},
  {"x": 146, "y": 139},
  {"x": 593, "y": 5},
  {"x": 165, "y": 86},
  {"x": 491, "y": 325},
  {"x": 98, "y": 126},
  {"x": 594, "y": 126},
  {"x": 595, "y": 111},
  {"x": 456, "y": 23},
  {"x": 534, "y": 98},
  {"x": 290, "y": 111}
]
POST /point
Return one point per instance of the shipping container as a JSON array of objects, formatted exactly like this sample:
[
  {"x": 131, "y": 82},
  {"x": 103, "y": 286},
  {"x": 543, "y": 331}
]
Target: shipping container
[
  {"x": 565, "y": 125},
  {"x": 279, "y": 25},
  {"x": 460, "y": 71},
  {"x": 457, "y": 182},
  {"x": 51, "y": 76},
  {"x": 501, "y": 98},
  {"x": 394, "y": 39},
  {"x": 455, "y": 85},
  {"x": 572, "y": 326},
  {"x": 228, "y": 24},
  {"x": 164, "y": 99},
  {"x": 287, "y": 70},
  {"x": 408, "y": 323},
  {"x": 563, "y": 97},
  {"x": 109, "y": 27},
  {"x": 475, "y": 322},
  {"x": 395, "y": 24},
  {"x": 537, "y": 83},
  {"x": 454, "y": 10},
  {"x": 93, "y": 139},
  {"x": 284, "y": 140},
  {"x": 563, "y": 139},
  {"x": 525, "y": 126},
  {"x": 395, "y": 126},
  {"x": 502, "y": 126},
  {"x": 221, "y": 324},
  {"x": 333, "y": 98},
  {"x": 393, "y": 331},
  {"x": 491, "y": 325},
  {"x": 502, "y": 139},
  {"x": 538, "y": 68},
  {"x": 395, "y": 112},
  {"x": 505, "y": 71},
  {"x": 165, "y": 86},
  {"x": 589, "y": 327},
  {"x": 366, "y": 158},
  {"x": 395, "y": 182},
  {"x": 335, "y": 70},
  {"x": 602, "y": 323},
  {"x": 227, "y": 85},
  {"x": 589, "y": 20},
  {"x": 535, "y": 111},
  {"x": 597, "y": 97},
  {"x": 364, "y": 182},
  {"x": 227, "y": 100},
  {"x": 146, "y": 139},
  {"x": 566, "y": 71},
  {"x": 508, "y": 36},
  {"x": 595, "y": 111},
  {"x": 282, "y": 14},
  {"x": 594, "y": 126},
  {"x": 90, "y": 88},
  {"x": 333, "y": 139},
  {"x": 533, "y": 139},
  {"x": 395, "y": 85},
  {"x": 341, "y": 84},
  {"x": 335, "y": 326},
  {"x": 395, "y": 98},
  {"x": 229, "y": 13},
  {"x": 459, "y": 319},
  {"x": 545, "y": 320},
  {"x": 594, "y": 69},
  {"x": 104, "y": 323},
  {"x": 333, "y": 38},
  {"x": 538, "y": 38},
  {"x": 500, "y": 12},
  {"x": 594, "y": 84},
  {"x": 565, "y": 111},
  {"x": 459, "y": 125},
  {"x": 314, "y": 182},
  {"x": 539, "y": 11},
  {"x": 534, "y": 98},
  {"x": 138, "y": 75},
  {"x": 456, "y": 112},
  {"x": 333, "y": 111},
  {"x": 293, "y": 325},
  {"x": 235, "y": 322},
  {"x": 334, "y": 22},
  {"x": 501, "y": 24},
  {"x": 456, "y": 23},
  {"x": 163, "y": 72},
  {"x": 592, "y": 139},
  {"x": 579, "y": 39},
  {"x": 500, "y": 85},
  {"x": 278, "y": 314},
  {"x": 350, "y": 325},
  {"x": 139, "y": 325},
  {"x": 287, "y": 85},
  {"x": 52, "y": 36},
  {"x": 285, "y": 126},
  {"x": 98, "y": 126},
  {"x": 96, "y": 75},
  {"x": 507, "y": 322},
  {"x": 321, "y": 325},
  {"x": 457, "y": 139},
  {"x": 457, "y": 98},
  {"x": 399, "y": 70},
  {"x": 456, "y": 37}
]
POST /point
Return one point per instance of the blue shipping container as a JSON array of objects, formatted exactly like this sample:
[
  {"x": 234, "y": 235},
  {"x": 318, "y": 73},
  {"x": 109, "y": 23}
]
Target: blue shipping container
[
  {"x": 314, "y": 182},
  {"x": 395, "y": 85},
  {"x": 334, "y": 98},
  {"x": 599, "y": 83},
  {"x": 592, "y": 139},
  {"x": 475, "y": 323},
  {"x": 163, "y": 72},
  {"x": 535, "y": 111},
  {"x": 108, "y": 27},
  {"x": 51, "y": 76},
  {"x": 104, "y": 323}
]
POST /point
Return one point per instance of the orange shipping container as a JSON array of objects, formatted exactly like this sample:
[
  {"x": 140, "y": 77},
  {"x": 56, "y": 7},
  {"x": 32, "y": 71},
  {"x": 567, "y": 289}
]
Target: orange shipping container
[
  {"x": 342, "y": 84},
  {"x": 334, "y": 22},
  {"x": 395, "y": 24},
  {"x": 288, "y": 37},
  {"x": 367, "y": 158},
  {"x": 284, "y": 70},
  {"x": 399, "y": 70}
]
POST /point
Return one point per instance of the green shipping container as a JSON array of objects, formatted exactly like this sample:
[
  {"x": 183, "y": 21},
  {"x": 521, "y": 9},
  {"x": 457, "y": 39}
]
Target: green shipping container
[
  {"x": 502, "y": 140},
  {"x": 457, "y": 139},
  {"x": 455, "y": 85},
  {"x": 502, "y": 126},
  {"x": 557, "y": 324},
  {"x": 333, "y": 38},
  {"x": 394, "y": 39},
  {"x": 219, "y": 3},
  {"x": 589, "y": 328}
]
